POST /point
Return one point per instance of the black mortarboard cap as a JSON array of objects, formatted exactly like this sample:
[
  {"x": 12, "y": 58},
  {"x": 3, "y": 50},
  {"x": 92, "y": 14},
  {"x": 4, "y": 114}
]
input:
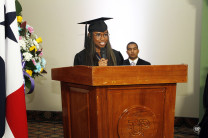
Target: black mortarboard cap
[{"x": 95, "y": 25}]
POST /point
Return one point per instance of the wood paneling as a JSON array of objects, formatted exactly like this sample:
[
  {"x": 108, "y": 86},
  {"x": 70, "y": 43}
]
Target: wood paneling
[{"x": 137, "y": 112}]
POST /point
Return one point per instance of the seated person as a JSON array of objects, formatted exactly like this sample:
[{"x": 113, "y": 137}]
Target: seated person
[
  {"x": 133, "y": 51},
  {"x": 97, "y": 38}
]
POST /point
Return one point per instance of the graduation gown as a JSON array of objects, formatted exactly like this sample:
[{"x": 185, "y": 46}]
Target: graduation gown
[
  {"x": 139, "y": 62},
  {"x": 80, "y": 58}
]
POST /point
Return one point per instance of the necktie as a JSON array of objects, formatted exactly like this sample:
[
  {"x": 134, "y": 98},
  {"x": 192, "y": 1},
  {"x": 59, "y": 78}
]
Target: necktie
[{"x": 133, "y": 64}]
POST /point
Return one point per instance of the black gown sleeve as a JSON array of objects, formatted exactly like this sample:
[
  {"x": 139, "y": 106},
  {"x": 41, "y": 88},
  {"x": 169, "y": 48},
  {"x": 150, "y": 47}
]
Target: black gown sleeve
[
  {"x": 76, "y": 60},
  {"x": 79, "y": 58},
  {"x": 119, "y": 57}
]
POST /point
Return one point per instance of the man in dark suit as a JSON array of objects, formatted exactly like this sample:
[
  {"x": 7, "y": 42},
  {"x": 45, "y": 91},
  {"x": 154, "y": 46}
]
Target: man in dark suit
[{"x": 133, "y": 51}]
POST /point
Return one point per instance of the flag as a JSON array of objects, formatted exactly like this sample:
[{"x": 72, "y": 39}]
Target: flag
[{"x": 13, "y": 119}]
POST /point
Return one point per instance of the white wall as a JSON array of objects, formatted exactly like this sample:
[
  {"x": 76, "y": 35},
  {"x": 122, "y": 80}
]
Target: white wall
[{"x": 167, "y": 31}]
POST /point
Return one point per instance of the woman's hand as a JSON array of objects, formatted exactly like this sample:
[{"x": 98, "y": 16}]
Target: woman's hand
[{"x": 103, "y": 62}]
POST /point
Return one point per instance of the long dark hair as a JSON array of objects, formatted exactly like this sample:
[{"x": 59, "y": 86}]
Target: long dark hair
[{"x": 91, "y": 59}]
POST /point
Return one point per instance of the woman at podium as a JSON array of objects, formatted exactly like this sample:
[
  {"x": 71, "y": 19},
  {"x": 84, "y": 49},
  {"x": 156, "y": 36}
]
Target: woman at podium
[{"x": 97, "y": 49}]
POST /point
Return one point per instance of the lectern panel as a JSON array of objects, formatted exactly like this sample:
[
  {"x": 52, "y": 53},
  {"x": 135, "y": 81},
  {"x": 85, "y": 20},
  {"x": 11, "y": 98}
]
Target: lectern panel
[
  {"x": 79, "y": 113},
  {"x": 136, "y": 112}
]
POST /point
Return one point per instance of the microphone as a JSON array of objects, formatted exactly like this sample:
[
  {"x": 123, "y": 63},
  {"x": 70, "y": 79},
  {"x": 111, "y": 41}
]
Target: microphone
[{"x": 103, "y": 53}]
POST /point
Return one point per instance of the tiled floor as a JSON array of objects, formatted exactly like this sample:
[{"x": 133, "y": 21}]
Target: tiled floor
[
  {"x": 45, "y": 129},
  {"x": 184, "y": 132},
  {"x": 54, "y": 129}
]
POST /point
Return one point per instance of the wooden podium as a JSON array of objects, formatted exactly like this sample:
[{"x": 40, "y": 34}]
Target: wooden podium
[{"x": 119, "y": 101}]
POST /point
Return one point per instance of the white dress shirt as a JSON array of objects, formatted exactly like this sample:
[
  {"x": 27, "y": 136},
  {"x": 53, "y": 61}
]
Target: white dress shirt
[{"x": 133, "y": 62}]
